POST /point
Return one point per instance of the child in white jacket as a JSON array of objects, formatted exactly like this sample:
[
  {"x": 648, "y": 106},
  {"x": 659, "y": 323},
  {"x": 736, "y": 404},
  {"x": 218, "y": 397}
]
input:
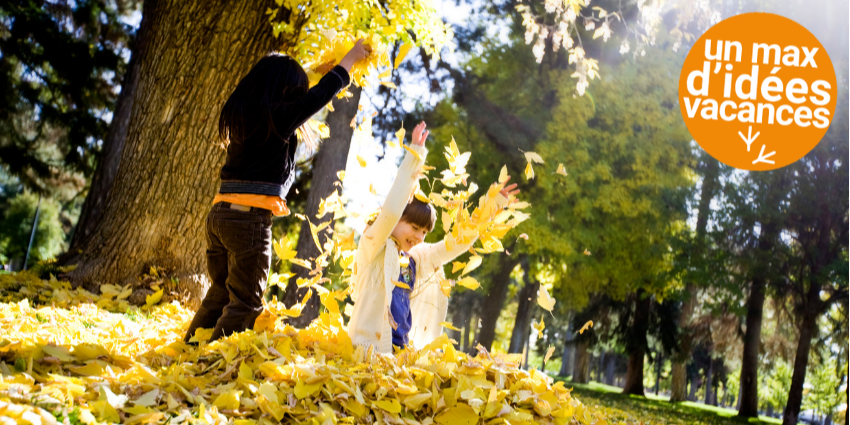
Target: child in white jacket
[{"x": 386, "y": 314}]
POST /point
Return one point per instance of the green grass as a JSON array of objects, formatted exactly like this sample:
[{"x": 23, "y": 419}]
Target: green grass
[{"x": 654, "y": 409}]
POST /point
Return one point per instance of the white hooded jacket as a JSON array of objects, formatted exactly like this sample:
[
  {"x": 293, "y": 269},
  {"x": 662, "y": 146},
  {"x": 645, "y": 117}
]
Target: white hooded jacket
[{"x": 377, "y": 266}]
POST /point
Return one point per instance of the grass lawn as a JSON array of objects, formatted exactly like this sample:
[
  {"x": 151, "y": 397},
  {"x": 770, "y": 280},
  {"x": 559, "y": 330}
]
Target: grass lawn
[{"x": 654, "y": 409}]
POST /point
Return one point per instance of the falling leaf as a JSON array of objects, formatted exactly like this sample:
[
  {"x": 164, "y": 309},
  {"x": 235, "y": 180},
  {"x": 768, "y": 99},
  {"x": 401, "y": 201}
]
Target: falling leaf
[
  {"x": 529, "y": 171},
  {"x": 586, "y": 252},
  {"x": 361, "y": 161},
  {"x": 401, "y": 285},
  {"x": 402, "y": 52},
  {"x": 561, "y": 170},
  {"x": 533, "y": 157},
  {"x": 389, "y": 84},
  {"x": 457, "y": 265},
  {"x": 544, "y": 299},
  {"x": 449, "y": 326},
  {"x": 549, "y": 353},
  {"x": 446, "y": 286},
  {"x": 353, "y": 123},
  {"x": 399, "y": 135},
  {"x": 586, "y": 326},
  {"x": 385, "y": 74},
  {"x": 421, "y": 196},
  {"x": 372, "y": 189},
  {"x": 473, "y": 263},
  {"x": 503, "y": 175},
  {"x": 412, "y": 152},
  {"x": 469, "y": 282},
  {"x": 539, "y": 326},
  {"x": 330, "y": 106}
]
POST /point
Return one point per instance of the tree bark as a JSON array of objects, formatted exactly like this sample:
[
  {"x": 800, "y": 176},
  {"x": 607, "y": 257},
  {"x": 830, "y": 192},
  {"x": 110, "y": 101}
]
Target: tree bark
[
  {"x": 113, "y": 148},
  {"x": 637, "y": 346},
  {"x": 755, "y": 302},
  {"x": 679, "y": 379},
  {"x": 808, "y": 330},
  {"x": 332, "y": 157},
  {"x": 155, "y": 213},
  {"x": 610, "y": 359},
  {"x": 709, "y": 377},
  {"x": 494, "y": 301},
  {"x": 569, "y": 349},
  {"x": 752, "y": 337},
  {"x": 582, "y": 364},
  {"x": 695, "y": 383},
  {"x": 524, "y": 312}
]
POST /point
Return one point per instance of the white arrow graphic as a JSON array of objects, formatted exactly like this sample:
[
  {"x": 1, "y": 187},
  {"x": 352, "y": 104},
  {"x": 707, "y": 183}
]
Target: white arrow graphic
[
  {"x": 750, "y": 138},
  {"x": 764, "y": 158}
]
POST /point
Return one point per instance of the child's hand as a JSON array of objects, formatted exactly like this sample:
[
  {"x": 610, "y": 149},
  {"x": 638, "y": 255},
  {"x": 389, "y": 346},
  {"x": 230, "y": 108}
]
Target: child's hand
[
  {"x": 420, "y": 134},
  {"x": 356, "y": 54},
  {"x": 508, "y": 191}
]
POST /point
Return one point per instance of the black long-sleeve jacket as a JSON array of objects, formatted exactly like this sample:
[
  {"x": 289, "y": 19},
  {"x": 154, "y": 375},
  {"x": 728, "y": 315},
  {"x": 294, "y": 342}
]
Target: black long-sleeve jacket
[{"x": 266, "y": 166}]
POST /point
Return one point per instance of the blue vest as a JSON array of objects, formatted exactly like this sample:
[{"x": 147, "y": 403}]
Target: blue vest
[{"x": 400, "y": 306}]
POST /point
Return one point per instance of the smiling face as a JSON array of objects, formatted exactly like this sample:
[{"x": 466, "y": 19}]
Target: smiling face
[{"x": 408, "y": 235}]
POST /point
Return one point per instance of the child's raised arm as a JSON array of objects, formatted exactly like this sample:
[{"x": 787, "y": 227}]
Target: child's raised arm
[{"x": 397, "y": 199}]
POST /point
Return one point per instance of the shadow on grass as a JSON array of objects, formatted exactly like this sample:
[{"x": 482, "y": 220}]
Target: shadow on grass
[{"x": 654, "y": 409}]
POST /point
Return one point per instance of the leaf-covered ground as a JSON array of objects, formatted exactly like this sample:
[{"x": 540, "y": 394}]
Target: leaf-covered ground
[
  {"x": 651, "y": 410},
  {"x": 68, "y": 356}
]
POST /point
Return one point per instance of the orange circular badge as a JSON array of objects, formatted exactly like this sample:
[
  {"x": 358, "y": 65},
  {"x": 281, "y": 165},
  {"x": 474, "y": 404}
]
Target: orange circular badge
[{"x": 757, "y": 91}]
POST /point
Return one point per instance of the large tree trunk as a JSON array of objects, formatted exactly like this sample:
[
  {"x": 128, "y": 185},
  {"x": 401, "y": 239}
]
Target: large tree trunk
[
  {"x": 155, "y": 213},
  {"x": 494, "y": 301},
  {"x": 331, "y": 158},
  {"x": 808, "y": 330},
  {"x": 755, "y": 302},
  {"x": 709, "y": 377},
  {"x": 113, "y": 148},
  {"x": 610, "y": 360},
  {"x": 522, "y": 324},
  {"x": 569, "y": 349},
  {"x": 679, "y": 379},
  {"x": 752, "y": 339},
  {"x": 637, "y": 346},
  {"x": 581, "y": 369}
]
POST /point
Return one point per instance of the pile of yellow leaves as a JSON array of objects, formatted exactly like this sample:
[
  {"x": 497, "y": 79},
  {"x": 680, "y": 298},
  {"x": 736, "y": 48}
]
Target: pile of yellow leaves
[{"x": 79, "y": 359}]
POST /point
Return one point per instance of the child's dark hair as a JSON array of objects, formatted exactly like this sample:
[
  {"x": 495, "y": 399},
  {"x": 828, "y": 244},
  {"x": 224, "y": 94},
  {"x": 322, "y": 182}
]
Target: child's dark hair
[
  {"x": 416, "y": 212},
  {"x": 270, "y": 87},
  {"x": 420, "y": 213}
]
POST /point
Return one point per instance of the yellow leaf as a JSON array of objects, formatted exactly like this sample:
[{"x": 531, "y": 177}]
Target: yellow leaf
[
  {"x": 154, "y": 298},
  {"x": 283, "y": 248},
  {"x": 330, "y": 106},
  {"x": 548, "y": 354},
  {"x": 473, "y": 263},
  {"x": 390, "y": 405},
  {"x": 462, "y": 414},
  {"x": 532, "y": 156},
  {"x": 269, "y": 391},
  {"x": 586, "y": 326},
  {"x": 303, "y": 390},
  {"x": 402, "y": 52},
  {"x": 457, "y": 265},
  {"x": 469, "y": 282},
  {"x": 361, "y": 161},
  {"x": 529, "y": 172},
  {"x": 399, "y": 135},
  {"x": 372, "y": 189},
  {"x": 539, "y": 326},
  {"x": 503, "y": 175},
  {"x": 228, "y": 400},
  {"x": 389, "y": 84},
  {"x": 265, "y": 321},
  {"x": 544, "y": 299},
  {"x": 586, "y": 252},
  {"x": 446, "y": 286},
  {"x": 449, "y": 325},
  {"x": 421, "y": 196},
  {"x": 401, "y": 285},
  {"x": 385, "y": 74},
  {"x": 561, "y": 170},
  {"x": 412, "y": 152}
]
